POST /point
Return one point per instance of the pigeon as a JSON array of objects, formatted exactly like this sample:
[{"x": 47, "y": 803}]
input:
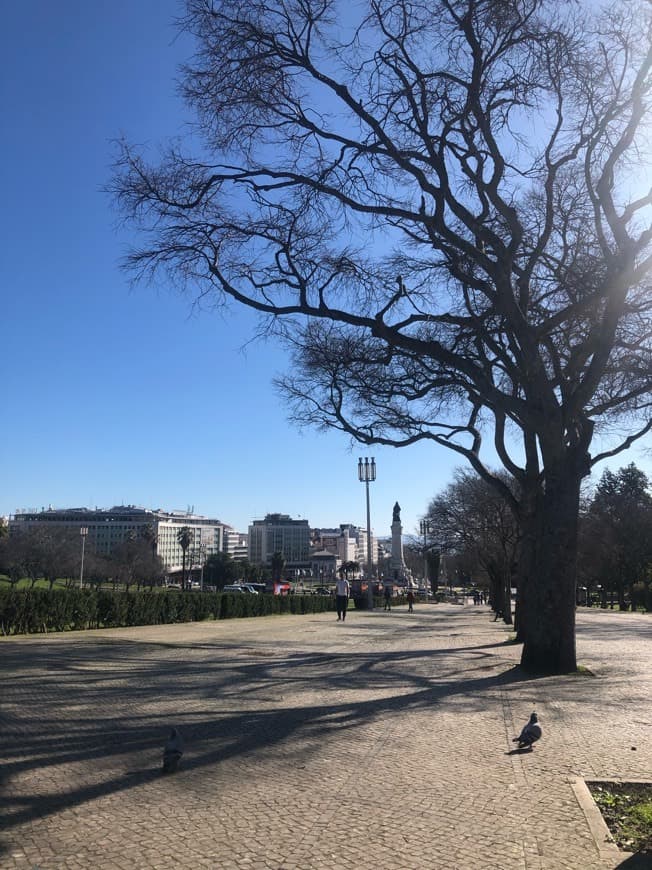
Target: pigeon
[
  {"x": 530, "y": 733},
  {"x": 173, "y": 751}
]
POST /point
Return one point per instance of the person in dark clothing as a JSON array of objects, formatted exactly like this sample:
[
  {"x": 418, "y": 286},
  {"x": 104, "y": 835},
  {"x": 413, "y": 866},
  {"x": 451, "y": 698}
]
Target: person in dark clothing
[
  {"x": 342, "y": 592},
  {"x": 410, "y": 599},
  {"x": 388, "y": 597}
]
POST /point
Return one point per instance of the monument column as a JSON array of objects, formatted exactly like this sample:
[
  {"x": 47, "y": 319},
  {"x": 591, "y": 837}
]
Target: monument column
[{"x": 397, "y": 563}]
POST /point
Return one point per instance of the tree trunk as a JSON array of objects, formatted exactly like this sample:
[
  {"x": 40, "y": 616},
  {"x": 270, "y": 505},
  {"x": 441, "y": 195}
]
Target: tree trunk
[
  {"x": 548, "y": 573},
  {"x": 494, "y": 592},
  {"x": 500, "y": 596},
  {"x": 517, "y": 622},
  {"x": 433, "y": 561},
  {"x": 507, "y": 598}
]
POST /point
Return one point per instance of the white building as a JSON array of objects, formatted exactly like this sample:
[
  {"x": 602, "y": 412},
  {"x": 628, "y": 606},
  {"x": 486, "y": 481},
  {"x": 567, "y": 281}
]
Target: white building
[
  {"x": 236, "y": 544},
  {"x": 348, "y": 542},
  {"x": 107, "y": 529}
]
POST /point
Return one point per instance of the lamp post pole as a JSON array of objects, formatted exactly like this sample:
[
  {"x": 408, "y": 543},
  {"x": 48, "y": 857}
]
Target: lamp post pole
[
  {"x": 367, "y": 474},
  {"x": 202, "y": 556},
  {"x": 83, "y": 532},
  {"x": 424, "y": 526}
]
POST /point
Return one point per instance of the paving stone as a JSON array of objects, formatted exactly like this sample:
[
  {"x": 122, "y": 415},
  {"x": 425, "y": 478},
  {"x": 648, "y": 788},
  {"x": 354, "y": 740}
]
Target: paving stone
[{"x": 381, "y": 744}]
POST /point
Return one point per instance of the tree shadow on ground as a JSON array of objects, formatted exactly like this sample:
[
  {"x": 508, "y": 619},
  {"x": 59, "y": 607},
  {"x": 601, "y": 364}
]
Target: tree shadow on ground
[
  {"x": 124, "y": 746},
  {"x": 642, "y": 861},
  {"x": 231, "y": 702}
]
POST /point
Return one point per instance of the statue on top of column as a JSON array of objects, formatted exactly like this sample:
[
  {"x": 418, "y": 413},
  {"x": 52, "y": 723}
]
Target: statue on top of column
[{"x": 397, "y": 513}]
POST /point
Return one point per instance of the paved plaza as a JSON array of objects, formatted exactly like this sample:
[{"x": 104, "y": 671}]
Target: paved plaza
[{"x": 380, "y": 743}]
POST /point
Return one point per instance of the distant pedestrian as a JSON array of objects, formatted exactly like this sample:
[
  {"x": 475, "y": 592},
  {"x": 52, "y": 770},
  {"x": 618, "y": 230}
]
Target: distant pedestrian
[
  {"x": 342, "y": 593},
  {"x": 410, "y": 599},
  {"x": 388, "y": 597}
]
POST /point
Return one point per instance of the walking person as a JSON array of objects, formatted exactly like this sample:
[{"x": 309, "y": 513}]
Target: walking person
[
  {"x": 388, "y": 598},
  {"x": 342, "y": 593},
  {"x": 410, "y": 599}
]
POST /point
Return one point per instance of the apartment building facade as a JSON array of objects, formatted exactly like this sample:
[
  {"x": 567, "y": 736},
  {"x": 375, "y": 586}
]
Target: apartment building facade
[
  {"x": 348, "y": 542},
  {"x": 236, "y": 544},
  {"x": 279, "y": 533},
  {"x": 108, "y": 529}
]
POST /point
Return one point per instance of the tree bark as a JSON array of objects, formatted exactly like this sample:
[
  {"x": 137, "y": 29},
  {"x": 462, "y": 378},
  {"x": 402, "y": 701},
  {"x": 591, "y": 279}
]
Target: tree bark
[{"x": 548, "y": 581}]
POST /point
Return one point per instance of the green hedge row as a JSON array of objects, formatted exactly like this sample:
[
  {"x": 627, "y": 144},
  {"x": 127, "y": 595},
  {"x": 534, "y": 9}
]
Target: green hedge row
[{"x": 41, "y": 610}]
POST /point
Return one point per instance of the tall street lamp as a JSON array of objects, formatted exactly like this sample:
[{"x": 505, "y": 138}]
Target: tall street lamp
[
  {"x": 83, "y": 532},
  {"x": 367, "y": 474},
  {"x": 424, "y": 528}
]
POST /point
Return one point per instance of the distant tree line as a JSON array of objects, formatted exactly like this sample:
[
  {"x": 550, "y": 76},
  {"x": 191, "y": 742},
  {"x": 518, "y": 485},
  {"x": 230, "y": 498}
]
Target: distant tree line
[
  {"x": 53, "y": 554},
  {"x": 221, "y": 569},
  {"x": 49, "y": 554},
  {"x": 615, "y": 553},
  {"x": 474, "y": 529}
]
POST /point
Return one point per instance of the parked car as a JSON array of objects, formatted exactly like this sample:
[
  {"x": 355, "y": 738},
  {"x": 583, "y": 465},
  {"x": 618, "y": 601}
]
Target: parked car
[
  {"x": 241, "y": 587},
  {"x": 322, "y": 590}
]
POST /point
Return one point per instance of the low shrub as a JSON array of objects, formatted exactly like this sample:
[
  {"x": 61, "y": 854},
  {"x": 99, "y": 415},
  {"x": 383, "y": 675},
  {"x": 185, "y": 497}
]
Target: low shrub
[{"x": 28, "y": 611}]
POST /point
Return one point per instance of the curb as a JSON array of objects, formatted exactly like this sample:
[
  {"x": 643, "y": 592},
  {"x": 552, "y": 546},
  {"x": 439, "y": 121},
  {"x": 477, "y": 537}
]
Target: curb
[{"x": 601, "y": 834}]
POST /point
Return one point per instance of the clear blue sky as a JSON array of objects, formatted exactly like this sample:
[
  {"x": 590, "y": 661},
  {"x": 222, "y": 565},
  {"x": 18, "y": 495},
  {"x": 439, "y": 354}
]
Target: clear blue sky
[{"x": 116, "y": 395}]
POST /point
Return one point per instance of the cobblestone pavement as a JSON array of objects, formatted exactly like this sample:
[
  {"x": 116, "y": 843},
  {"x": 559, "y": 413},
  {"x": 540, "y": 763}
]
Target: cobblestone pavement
[{"x": 381, "y": 743}]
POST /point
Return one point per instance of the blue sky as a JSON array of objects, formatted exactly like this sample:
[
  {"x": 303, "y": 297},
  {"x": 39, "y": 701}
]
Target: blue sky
[{"x": 121, "y": 395}]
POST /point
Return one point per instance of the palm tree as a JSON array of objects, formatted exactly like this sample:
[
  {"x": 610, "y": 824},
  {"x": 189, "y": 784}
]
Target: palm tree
[
  {"x": 185, "y": 538},
  {"x": 277, "y": 564},
  {"x": 148, "y": 533},
  {"x": 350, "y": 567}
]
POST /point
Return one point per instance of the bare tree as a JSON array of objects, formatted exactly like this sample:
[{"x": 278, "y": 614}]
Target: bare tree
[
  {"x": 12, "y": 561},
  {"x": 133, "y": 562},
  {"x": 39, "y": 552},
  {"x": 435, "y": 205},
  {"x": 471, "y": 516}
]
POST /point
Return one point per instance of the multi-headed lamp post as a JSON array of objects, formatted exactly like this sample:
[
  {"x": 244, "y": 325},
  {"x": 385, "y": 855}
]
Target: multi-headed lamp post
[
  {"x": 83, "y": 532},
  {"x": 367, "y": 474}
]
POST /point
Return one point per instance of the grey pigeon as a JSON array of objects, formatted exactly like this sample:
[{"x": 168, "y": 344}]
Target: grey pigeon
[
  {"x": 530, "y": 733},
  {"x": 173, "y": 751}
]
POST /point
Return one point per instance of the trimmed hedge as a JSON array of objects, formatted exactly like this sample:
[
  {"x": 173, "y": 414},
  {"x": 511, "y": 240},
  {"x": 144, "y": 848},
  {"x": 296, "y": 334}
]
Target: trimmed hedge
[{"x": 32, "y": 611}]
